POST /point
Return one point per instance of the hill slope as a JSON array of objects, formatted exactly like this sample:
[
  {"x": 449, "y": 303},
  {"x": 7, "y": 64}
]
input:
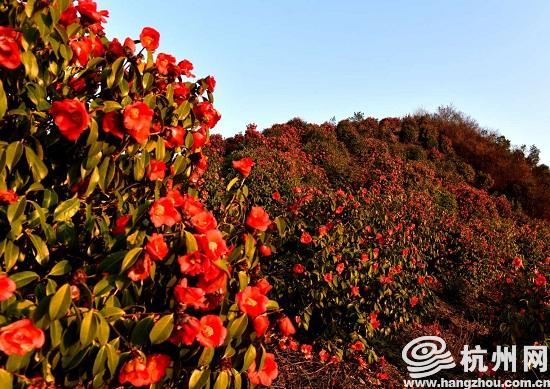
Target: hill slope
[{"x": 399, "y": 227}]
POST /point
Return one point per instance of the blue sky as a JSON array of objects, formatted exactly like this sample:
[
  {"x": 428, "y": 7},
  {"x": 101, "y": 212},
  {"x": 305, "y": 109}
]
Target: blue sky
[{"x": 275, "y": 60}]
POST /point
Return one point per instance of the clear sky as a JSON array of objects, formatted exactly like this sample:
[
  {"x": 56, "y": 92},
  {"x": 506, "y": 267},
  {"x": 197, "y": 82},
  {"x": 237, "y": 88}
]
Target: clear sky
[{"x": 275, "y": 60}]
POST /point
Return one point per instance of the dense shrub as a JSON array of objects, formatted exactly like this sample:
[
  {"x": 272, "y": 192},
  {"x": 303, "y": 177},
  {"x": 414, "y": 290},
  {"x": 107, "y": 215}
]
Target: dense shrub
[{"x": 114, "y": 272}]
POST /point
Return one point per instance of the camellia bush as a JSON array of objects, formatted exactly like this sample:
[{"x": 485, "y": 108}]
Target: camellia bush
[{"x": 113, "y": 270}]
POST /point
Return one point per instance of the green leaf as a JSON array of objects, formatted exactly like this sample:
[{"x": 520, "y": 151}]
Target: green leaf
[
  {"x": 16, "y": 362},
  {"x": 15, "y": 210},
  {"x": 222, "y": 382},
  {"x": 100, "y": 359},
  {"x": 190, "y": 242},
  {"x": 162, "y": 329},
  {"x": 23, "y": 278},
  {"x": 38, "y": 168},
  {"x": 238, "y": 326},
  {"x": 6, "y": 379},
  {"x": 11, "y": 254},
  {"x": 231, "y": 183},
  {"x": 103, "y": 328},
  {"x": 30, "y": 63},
  {"x": 59, "y": 305},
  {"x": 88, "y": 328},
  {"x": 130, "y": 258},
  {"x": 112, "y": 358},
  {"x": 14, "y": 150},
  {"x": 116, "y": 72},
  {"x": 94, "y": 179},
  {"x": 60, "y": 268},
  {"x": 66, "y": 210},
  {"x": 140, "y": 333},
  {"x": 249, "y": 357},
  {"x": 56, "y": 332},
  {"x": 42, "y": 253},
  {"x": 206, "y": 356},
  {"x": 3, "y": 101},
  {"x": 198, "y": 378}
]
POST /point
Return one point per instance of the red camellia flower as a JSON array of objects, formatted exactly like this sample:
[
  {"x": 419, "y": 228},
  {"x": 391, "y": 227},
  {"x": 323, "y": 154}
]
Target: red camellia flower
[
  {"x": 204, "y": 221},
  {"x": 207, "y": 114},
  {"x": 212, "y": 244},
  {"x": 298, "y": 268},
  {"x": 89, "y": 13},
  {"x": 98, "y": 50},
  {"x": 75, "y": 292},
  {"x": 286, "y": 326},
  {"x": 181, "y": 92},
  {"x": 258, "y": 219},
  {"x": 163, "y": 212},
  {"x": 213, "y": 280},
  {"x": 328, "y": 277},
  {"x": 187, "y": 331},
  {"x": 355, "y": 290},
  {"x": 129, "y": 46},
  {"x": 156, "y": 365},
  {"x": 68, "y": 16},
  {"x": 212, "y": 332},
  {"x": 112, "y": 124},
  {"x": 7, "y": 287},
  {"x": 164, "y": 62},
  {"x": 324, "y": 355},
  {"x": 374, "y": 320},
  {"x": 340, "y": 268},
  {"x": 8, "y": 196},
  {"x": 276, "y": 196},
  {"x": 149, "y": 38},
  {"x": 265, "y": 251},
  {"x": 20, "y": 337},
  {"x": 193, "y": 263},
  {"x": 115, "y": 48},
  {"x": 540, "y": 279},
  {"x": 10, "y": 57},
  {"x": 134, "y": 372},
  {"x": 252, "y": 301},
  {"x": 190, "y": 205},
  {"x": 77, "y": 84},
  {"x": 267, "y": 374},
  {"x": 71, "y": 117},
  {"x": 192, "y": 297},
  {"x": 156, "y": 170},
  {"x": 243, "y": 166},
  {"x": 517, "y": 262},
  {"x": 185, "y": 68},
  {"x": 174, "y": 137},
  {"x": 199, "y": 139},
  {"x": 264, "y": 286},
  {"x": 120, "y": 224},
  {"x": 413, "y": 301},
  {"x": 81, "y": 47},
  {"x": 138, "y": 372},
  {"x": 210, "y": 83},
  {"x": 306, "y": 238},
  {"x": 141, "y": 270},
  {"x": 260, "y": 323},
  {"x": 156, "y": 247},
  {"x": 137, "y": 120}
]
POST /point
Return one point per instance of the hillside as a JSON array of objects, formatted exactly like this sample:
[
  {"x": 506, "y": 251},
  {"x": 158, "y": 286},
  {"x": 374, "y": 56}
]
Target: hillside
[{"x": 397, "y": 227}]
